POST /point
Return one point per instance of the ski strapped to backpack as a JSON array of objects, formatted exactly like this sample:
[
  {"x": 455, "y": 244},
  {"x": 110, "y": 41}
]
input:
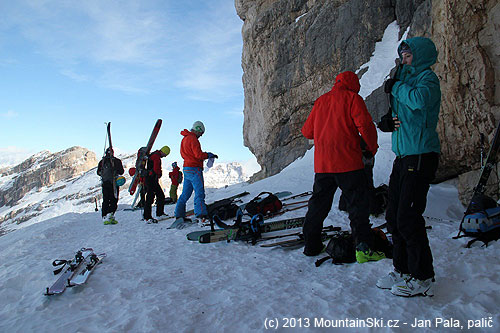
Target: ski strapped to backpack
[
  {"x": 481, "y": 219},
  {"x": 142, "y": 158}
]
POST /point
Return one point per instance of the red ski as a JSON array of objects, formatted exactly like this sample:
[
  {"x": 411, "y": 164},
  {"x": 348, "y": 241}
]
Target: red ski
[{"x": 141, "y": 160}]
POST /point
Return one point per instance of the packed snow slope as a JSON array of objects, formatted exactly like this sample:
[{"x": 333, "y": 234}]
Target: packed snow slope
[{"x": 155, "y": 280}]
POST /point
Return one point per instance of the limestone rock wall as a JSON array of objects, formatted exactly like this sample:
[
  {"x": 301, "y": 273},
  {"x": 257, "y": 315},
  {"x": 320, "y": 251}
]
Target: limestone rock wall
[
  {"x": 292, "y": 49},
  {"x": 44, "y": 169}
]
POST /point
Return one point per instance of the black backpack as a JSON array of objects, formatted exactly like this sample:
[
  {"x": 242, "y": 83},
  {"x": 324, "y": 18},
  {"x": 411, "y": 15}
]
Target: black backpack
[
  {"x": 342, "y": 249},
  {"x": 379, "y": 198},
  {"x": 140, "y": 162},
  {"x": 225, "y": 209},
  {"x": 264, "y": 205},
  {"x": 107, "y": 170}
]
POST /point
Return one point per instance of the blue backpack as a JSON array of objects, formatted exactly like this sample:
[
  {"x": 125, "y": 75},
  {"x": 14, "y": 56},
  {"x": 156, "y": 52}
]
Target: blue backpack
[{"x": 482, "y": 223}]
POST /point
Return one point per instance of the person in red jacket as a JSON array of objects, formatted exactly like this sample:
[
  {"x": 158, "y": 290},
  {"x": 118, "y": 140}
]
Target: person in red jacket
[
  {"x": 176, "y": 178},
  {"x": 193, "y": 172},
  {"x": 152, "y": 185},
  {"x": 337, "y": 122}
]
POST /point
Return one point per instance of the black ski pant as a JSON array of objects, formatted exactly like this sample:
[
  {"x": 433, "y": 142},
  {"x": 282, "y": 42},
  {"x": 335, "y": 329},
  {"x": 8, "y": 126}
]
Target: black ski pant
[
  {"x": 109, "y": 202},
  {"x": 354, "y": 186},
  {"x": 368, "y": 170},
  {"x": 153, "y": 189},
  {"x": 408, "y": 187}
]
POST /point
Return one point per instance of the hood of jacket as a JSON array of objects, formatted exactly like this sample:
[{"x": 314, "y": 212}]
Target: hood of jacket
[
  {"x": 186, "y": 132},
  {"x": 423, "y": 50},
  {"x": 347, "y": 80}
]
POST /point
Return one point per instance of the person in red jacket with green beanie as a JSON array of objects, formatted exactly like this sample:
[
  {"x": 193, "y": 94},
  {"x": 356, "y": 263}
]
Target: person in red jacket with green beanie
[
  {"x": 193, "y": 172},
  {"x": 175, "y": 177},
  {"x": 337, "y": 123},
  {"x": 415, "y": 97},
  {"x": 152, "y": 185}
]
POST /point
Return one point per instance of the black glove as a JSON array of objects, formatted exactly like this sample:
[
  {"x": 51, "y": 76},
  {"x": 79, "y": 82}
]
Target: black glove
[
  {"x": 388, "y": 85},
  {"x": 367, "y": 154},
  {"x": 386, "y": 123}
]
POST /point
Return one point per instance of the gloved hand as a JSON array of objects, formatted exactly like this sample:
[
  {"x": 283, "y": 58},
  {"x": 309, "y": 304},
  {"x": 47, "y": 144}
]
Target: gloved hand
[
  {"x": 388, "y": 85},
  {"x": 211, "y": 155},
  {"x": 387, "y": 123}
]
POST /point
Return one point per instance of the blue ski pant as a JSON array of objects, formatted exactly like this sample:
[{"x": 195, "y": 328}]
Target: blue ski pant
[{"x": 193, "y": 181}]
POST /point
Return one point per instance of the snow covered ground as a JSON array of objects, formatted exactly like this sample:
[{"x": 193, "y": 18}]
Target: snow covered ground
[{"x": 154, "y": 280}]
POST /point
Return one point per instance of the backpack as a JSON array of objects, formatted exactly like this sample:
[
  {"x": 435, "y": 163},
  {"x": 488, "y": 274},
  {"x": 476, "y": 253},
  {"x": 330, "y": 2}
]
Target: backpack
[
  {"x": 264, "y": 205},
  {"x": 379, "y": 198},
  {"x": 140, "y": 162},
  {"x": 482, "y": 222},
  {"x": 342, "y": 249},
  {"x": 107, "y": 171},
  {"x": 224, "y": 209},
  {"x": 180, "y": 178}
]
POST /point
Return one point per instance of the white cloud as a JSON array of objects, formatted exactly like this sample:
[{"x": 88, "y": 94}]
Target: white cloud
[
  {"x": 214, "y": 70},
  {"x": 10, "y": 114},
  {"x": 12, "y": 155},
  {"x": 137, "y": 46}
]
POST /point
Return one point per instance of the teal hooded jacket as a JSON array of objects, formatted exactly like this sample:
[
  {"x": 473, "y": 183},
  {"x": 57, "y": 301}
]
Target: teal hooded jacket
[{"x": 415, "y": 100}]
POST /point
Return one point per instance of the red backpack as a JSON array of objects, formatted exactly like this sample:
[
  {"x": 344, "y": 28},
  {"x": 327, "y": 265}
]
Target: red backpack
[{"x": 264, "y": 205}]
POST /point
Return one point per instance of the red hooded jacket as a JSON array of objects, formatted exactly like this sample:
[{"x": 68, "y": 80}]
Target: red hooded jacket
[
  {"x": 174, "y": 176},
  {"x": 336, "y": 122},
  {"x": 191, "y": 150}
]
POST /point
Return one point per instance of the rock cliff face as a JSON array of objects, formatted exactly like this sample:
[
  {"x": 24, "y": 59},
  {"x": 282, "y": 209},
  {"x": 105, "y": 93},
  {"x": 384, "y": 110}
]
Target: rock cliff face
[
  {"x": 292, "y": 51},
  {"x": 43, "y": 169},
  {"x": 466, "y": 35}
]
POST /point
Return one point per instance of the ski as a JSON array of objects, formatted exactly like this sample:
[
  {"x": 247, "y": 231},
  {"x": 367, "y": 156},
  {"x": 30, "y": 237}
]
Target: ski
[
  {"x": 304, "y": 194},
  {"x": 299, "y": 241},
  {"x": 152, "y": 138},
  {"x": 181, "y": 223},
  {"x": 71, "y": 266},
  {"x": 87, "y": 268},
  {"x": 110, "y": 143},
  {"x": 250, "y": 231},
  {"x": 486, "y": 170}
]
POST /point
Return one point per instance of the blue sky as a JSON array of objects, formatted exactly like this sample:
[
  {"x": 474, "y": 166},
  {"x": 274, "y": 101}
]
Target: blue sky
[{"x": 67, "y": 67}]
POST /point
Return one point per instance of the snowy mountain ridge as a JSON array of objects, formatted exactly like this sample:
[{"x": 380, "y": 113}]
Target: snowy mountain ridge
[{"x": 47, "y": 193}]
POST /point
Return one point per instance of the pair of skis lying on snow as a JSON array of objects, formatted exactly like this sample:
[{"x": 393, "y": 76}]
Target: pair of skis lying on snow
[
  {"x": 255, "y": 230},
  {"x": 75, "y": 271}
]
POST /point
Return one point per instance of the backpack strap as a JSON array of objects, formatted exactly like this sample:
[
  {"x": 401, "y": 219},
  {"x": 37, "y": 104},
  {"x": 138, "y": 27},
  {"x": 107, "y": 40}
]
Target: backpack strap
[{"x": 321, "y": 261}]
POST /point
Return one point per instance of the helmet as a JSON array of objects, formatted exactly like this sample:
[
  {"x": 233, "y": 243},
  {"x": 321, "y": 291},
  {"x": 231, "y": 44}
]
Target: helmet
[
  {"x": 198, "y": 127},
  {"x": 109, "y": 151},
  {"x": 165, "y": 150},
  {"x": 174, "y": 164},
  {"x": 120, "y": 180}
]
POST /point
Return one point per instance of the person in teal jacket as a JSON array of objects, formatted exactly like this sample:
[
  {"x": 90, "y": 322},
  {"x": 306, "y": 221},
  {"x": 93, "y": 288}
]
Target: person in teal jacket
[{"x": 415, "y": 98}]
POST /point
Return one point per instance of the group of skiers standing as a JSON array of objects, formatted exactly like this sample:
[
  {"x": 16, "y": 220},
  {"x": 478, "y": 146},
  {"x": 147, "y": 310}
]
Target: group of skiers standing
[
  {"x": 193, "y": 156},
  {"x": 338, "y": 122}
]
